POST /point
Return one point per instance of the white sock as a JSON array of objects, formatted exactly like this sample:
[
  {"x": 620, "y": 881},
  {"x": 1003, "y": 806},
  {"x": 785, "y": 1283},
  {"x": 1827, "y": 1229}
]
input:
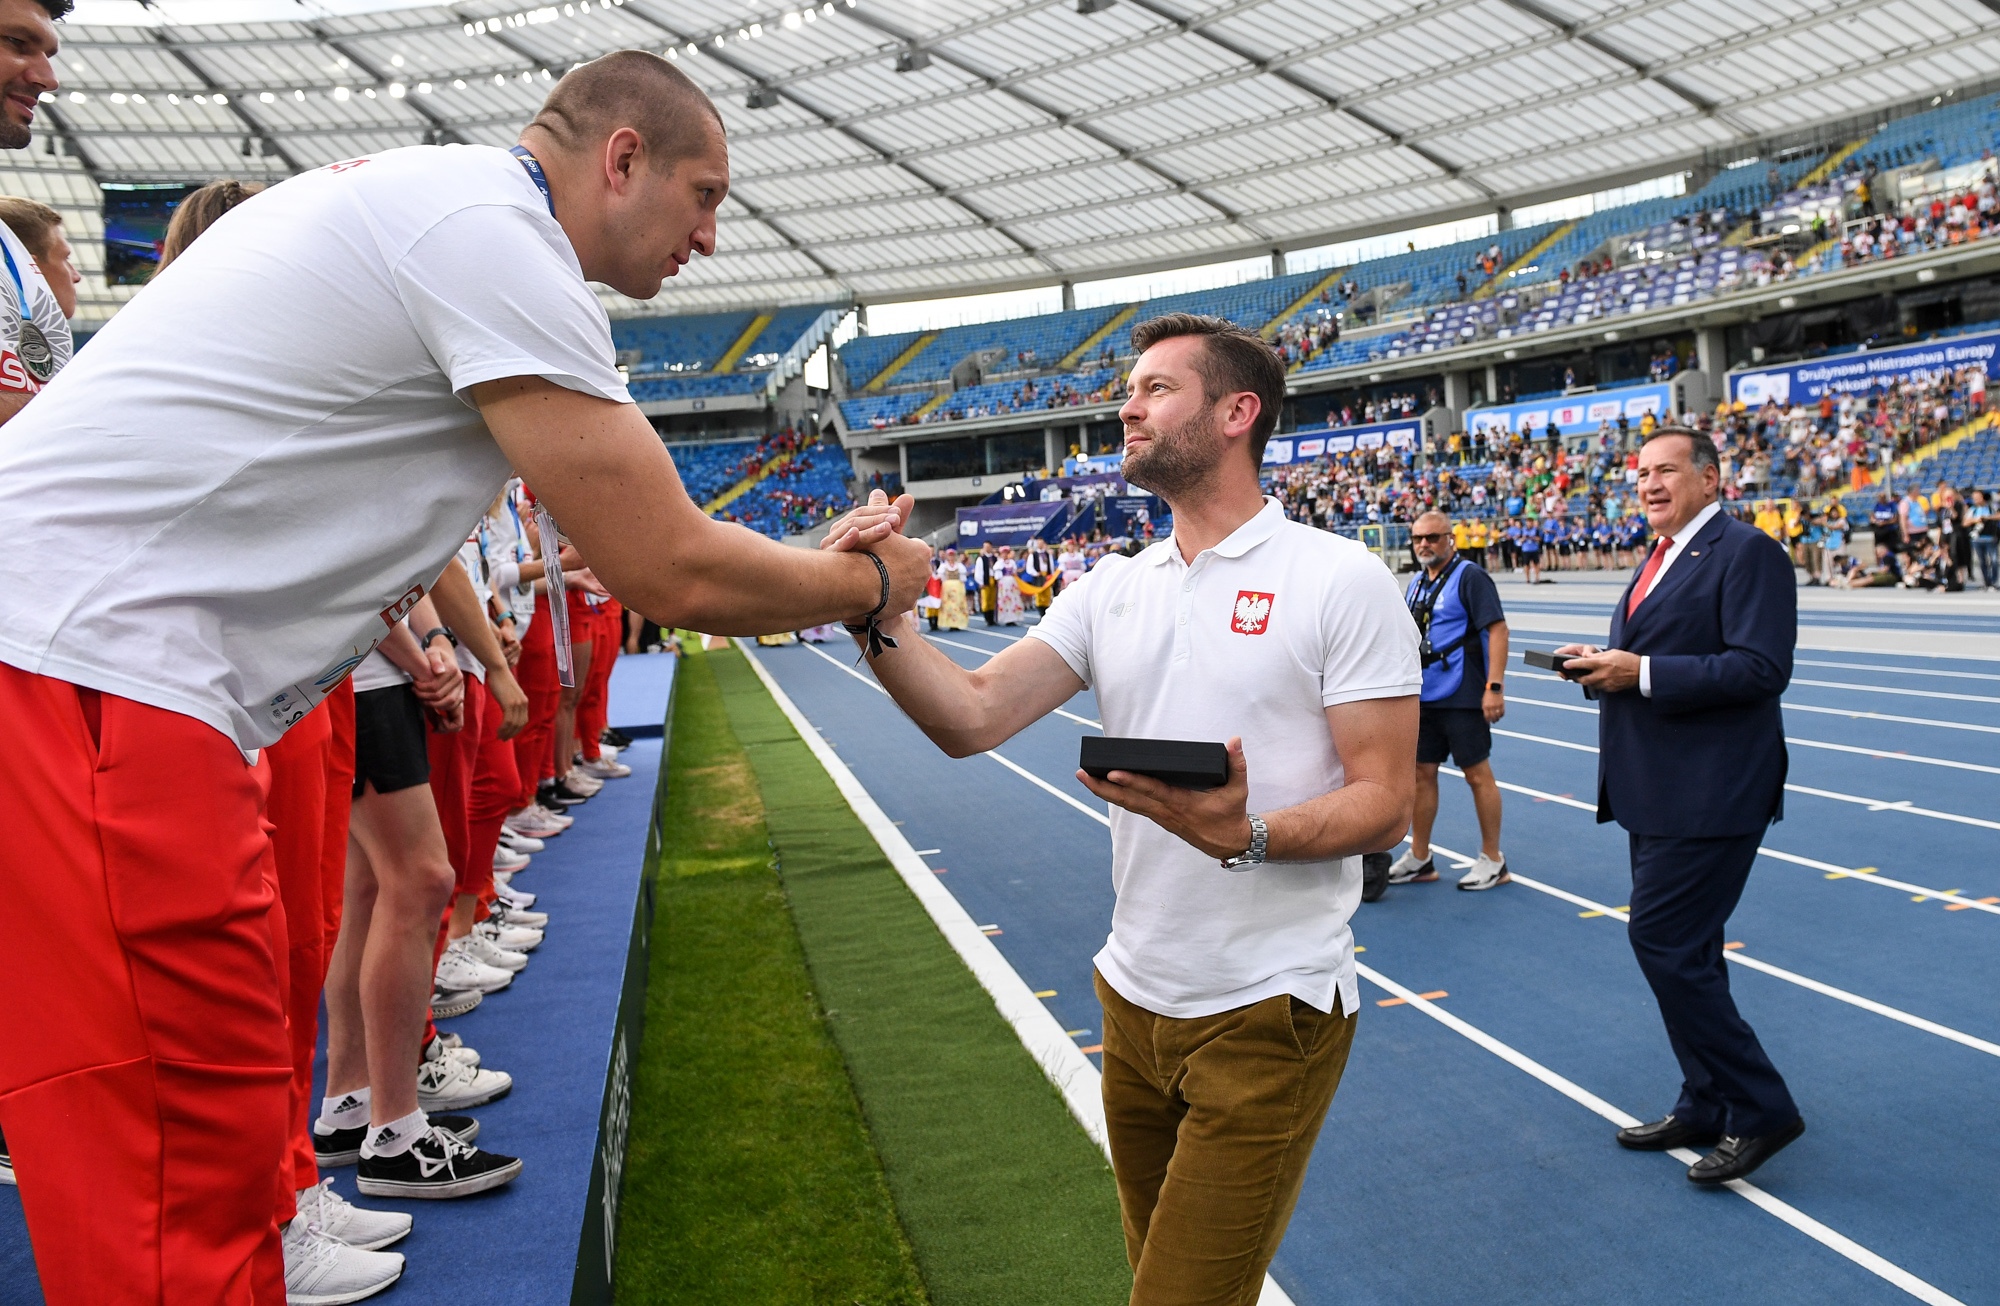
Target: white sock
[
  {"x": 394, "y": 1138},
  {"x": 343, "y": 1110}
]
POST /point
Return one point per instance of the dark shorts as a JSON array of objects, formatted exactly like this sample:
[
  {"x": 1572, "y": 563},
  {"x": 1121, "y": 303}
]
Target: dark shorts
[
  {"x": 391, "y": 750},
  {"x": 1458, "y": 732}
]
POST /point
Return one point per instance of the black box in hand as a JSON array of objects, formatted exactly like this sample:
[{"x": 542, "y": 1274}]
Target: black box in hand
[{"x": 1188, "y": 764}]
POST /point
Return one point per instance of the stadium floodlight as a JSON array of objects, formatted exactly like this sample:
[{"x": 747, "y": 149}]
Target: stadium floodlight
[
  {"x": 1094, "y": 6},
  {"x": 910, "y": 61},
  {"x": 761, "y": 97}
]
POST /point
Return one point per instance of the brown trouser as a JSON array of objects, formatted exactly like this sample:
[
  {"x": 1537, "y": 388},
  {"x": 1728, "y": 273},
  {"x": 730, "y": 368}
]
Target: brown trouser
[{"x": 1212, "y": 1121}]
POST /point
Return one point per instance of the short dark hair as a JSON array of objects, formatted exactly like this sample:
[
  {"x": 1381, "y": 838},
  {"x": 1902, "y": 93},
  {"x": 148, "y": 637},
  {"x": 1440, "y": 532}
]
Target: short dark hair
[
  {"x": 1699, "y": 442},
  {"x": 629, "y": 88},
  {"x": 57, "y": 9},
  {"x": 1231, "y": 360}
]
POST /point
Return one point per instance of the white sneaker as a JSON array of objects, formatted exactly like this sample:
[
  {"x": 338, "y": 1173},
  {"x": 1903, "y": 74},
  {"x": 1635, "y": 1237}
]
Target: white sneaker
[
  {"x": 323, "y": 1271},
  {"x": 451, "y": 1045},
  {"x": 581, "y": 781},
  {"x": 342, "y": 1221},
  {"x": 506, "y": 859},
  {"x": 1406, "y": 869},
  {"x": 560, "y": 820},
  {"x": 459, "y": 969},
  {"x": 445, "y": 1083},
  {"x": 518, "y": 917},
  {"x": 605, "y": 768},
  {"x": 510, "y": 936},
  {"x": 490, "y": 954},
  {"x": 1486, "y": 873},
  {"x": 518, "y": 899},
  {"x": 520, "y": 843},
  {"x": 608, "y": 751},
  {"x": 531, "y": 822}
]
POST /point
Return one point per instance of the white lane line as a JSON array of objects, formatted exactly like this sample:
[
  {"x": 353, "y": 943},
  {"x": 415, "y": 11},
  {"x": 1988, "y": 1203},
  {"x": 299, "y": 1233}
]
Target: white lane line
[
  {"x": 1054, "y": 1051},
  {"x": 1868, "y": 874},
  {"x": 1890, "y": 755},
  {"x": 1899, "y": 671},
  {"x": 1827, "y": 1237},
  {"x": 988, "y": 653},
  {"x": 1809, "y": 639},
  {"x": 1778, "y": 972},
  {"x": 1891, "y": 689},
  {"x": 1854, "y": 715},
  {"x": 1101, "y": 817}
]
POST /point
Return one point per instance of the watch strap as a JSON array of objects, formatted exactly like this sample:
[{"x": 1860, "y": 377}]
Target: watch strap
[{"x": 1260, "y": 837}]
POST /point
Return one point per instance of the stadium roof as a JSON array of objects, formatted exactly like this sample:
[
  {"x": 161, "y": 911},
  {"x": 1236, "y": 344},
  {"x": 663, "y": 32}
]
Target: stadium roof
[{"x": 952, "y": 146}]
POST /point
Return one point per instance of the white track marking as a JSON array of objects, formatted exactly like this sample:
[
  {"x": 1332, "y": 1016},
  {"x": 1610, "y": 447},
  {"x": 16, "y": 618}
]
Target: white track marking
[
  {"x": 1040, "y": 1032},
  {"x": 1778, "y": 972},
  {"x": 1827, "y": 1237},
  {"x": 1843, "y": 872},
  {"x": 1890, "y": 689},
  {"x": 1891, "y": 755},
  {"x": 1898, "y": 671},
  {"x": 1854, "y": 715},
  {"x": 1872, "y": 804},
  {"x": 1095, "y": 815}
]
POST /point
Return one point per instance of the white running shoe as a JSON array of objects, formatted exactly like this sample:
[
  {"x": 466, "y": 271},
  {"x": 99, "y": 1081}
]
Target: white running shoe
[
  {"x": 451, "y": 1045},
  {"x": 490, "y": 954},
  {"x": 519, "y": 899},
  {"x": 460, "y": 969},
  {"x": 531, "y": 822},
  {"x": 506, "y": 859},
  {"x": 453, "y": 1002},
  {"x": 519, "y": 918},
  {"x": 1486, "y": 873},
  {"x": 560, "y": 820},
  {"x": 605, "y": 768},
  {"x": 345, "y": 1222},
  {"x": 445, "y": 1083},
  {"x": 581, "y": 781},
  {"x": 323, "y": 1271},
  {"x": 512, "y": 937},
  {"x": 1406, "y": 869},
  {"x": 520, "y": 843}
]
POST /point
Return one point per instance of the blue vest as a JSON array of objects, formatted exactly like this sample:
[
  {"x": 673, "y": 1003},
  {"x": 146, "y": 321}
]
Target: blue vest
[{"x": 1447, "y": 631}]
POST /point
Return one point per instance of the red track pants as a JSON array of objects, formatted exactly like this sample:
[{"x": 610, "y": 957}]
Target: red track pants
[
  {"x": 592, "y": 711},
  {"x": 146, "y": 1074},
  {"x": 454, "y": 758},
  {"x": 535, "y": 747},
  {"x": 496, "y": 789}
]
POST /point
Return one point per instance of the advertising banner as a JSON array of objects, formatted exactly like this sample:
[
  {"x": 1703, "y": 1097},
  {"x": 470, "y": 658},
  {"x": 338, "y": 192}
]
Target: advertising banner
[
  {"x": 1005, "y": 523},
  {"x": 1304, "y": 446},
  {"x": 1857, "y": 373},
  {"x": 1576, "y": 414}
]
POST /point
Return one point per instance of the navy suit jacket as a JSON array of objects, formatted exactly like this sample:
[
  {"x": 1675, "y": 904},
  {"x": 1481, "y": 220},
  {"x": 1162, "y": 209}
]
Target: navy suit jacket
[{"x": 1704, "y": 756}]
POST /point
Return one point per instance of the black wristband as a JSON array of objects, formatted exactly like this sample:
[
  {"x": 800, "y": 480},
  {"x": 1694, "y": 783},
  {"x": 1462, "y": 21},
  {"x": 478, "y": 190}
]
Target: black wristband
[
  {"x": 871, "y": 624},
  {"x": 434, "y": 632}
]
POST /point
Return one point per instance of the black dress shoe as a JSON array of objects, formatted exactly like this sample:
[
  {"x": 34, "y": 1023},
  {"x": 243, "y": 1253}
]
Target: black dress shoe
[
  {"x": 1735, "y": 1158},
  {"x": 1666, "y": 1134}
]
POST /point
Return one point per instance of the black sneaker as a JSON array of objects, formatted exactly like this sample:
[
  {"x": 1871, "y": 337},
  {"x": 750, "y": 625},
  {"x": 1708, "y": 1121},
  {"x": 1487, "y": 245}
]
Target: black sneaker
[
  {"x": 6, "y": 1162},
  {"x": 558, "y": 797},
  {"x": 343, "y": 1146},
  {"x": 614, "y": 737},
  {"x": 1374, "y": 876},
  {"x": 436, "y": 1166}
]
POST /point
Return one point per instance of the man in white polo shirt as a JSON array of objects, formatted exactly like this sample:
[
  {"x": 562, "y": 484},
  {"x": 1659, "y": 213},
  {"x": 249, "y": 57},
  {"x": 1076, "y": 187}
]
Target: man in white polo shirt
[{"x": 1228, "y": 979}]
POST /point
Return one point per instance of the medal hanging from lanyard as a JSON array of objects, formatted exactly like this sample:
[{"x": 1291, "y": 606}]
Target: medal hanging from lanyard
[
  {"x": 37, "y": 355},
  {"x": 558, "y": 605}
]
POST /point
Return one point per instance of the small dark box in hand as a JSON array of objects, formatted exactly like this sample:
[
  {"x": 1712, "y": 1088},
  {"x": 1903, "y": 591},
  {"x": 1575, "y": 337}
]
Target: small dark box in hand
[{"x": 1185, "y": 763}]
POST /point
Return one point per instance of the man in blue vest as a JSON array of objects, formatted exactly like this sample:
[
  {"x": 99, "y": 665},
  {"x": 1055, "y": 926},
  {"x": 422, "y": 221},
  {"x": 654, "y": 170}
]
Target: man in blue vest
[{"x": 1463, "y": 643}]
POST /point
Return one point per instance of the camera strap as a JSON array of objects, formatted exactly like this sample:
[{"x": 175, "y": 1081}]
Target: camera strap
[{"x": 1423, "y": 600}]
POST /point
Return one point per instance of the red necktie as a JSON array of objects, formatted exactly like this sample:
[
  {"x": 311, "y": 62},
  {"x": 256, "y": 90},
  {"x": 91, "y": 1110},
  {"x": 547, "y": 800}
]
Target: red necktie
[{"x": 1651, "y": 569}]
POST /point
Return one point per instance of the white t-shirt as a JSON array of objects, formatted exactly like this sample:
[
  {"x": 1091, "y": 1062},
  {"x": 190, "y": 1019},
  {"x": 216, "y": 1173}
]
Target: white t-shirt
[
  {"x": 266, "y": 457},
  {"x": 27, "y": 366},
  {"x": 1257, "y": 637}
]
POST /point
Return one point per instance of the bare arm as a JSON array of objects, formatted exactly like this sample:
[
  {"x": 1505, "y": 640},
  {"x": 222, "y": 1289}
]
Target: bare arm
[
  {"x": 1376, "y": 739},
  {"x": 1494, "y": 701},
  {"x": 458, "y": 603},
  {"x": 610, "y": 482},
  {"x": 966, "y": 712},
  {"x": 11, "y": 403}
]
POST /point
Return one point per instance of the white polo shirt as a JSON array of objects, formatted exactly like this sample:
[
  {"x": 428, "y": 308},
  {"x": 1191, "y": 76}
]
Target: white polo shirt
[{"x": 1256, "y": 637}]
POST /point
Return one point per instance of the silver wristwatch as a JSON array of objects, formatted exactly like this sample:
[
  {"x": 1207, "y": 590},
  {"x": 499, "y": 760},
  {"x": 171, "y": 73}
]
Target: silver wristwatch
[{"x": 1260, "y": 837}]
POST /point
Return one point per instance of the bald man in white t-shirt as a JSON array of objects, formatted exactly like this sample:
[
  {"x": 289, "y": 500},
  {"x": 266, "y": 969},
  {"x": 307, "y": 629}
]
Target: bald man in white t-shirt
[{"x": 221, "y": 507}]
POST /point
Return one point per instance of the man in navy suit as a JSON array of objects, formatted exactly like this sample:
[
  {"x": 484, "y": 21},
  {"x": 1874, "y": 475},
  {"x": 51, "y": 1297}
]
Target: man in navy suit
[{"x": 1691, "y": 761}]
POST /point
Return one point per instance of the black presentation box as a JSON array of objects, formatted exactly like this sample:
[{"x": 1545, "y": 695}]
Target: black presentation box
[{"x": 1189, "y": 764}]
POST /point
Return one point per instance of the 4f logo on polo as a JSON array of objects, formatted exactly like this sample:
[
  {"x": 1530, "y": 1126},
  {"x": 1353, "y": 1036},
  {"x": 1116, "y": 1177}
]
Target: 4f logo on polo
[{"x": 1252, "y": 613}]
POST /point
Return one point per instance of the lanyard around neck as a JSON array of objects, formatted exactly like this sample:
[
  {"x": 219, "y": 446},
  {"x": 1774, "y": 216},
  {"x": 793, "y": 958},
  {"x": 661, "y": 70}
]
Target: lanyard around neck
[
  {"x": 20, "y": 288},
  {"x": 528, "y": 161}
]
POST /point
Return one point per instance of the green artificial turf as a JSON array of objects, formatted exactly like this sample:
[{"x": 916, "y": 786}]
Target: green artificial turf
[
  {"x": 749, "y": 1178},
  {"x": 1003, "y": 1196}
]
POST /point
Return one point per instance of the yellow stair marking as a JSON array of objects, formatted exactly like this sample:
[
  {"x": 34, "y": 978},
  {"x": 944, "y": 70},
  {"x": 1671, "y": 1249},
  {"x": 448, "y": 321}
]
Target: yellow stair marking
[
  {"x": 1832, "y": 161},
  {"x": 1118, "y": 319},
  {"x": 1958, "y": 436},
  {"x": 742, "y": 346},
  {"x": 1270, "y": 329},
  {"x": 897, "y": 363},
  {"x": 742, "y": 487},
  {"x": 930, "y": 405},
  {"x": 1541, "y": 247},
  {"x": 1739, "y": 235}
]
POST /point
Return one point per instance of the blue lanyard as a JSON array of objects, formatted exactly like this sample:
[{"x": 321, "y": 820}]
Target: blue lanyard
[
  {"x": 20, "y": 290},
  {"x": 528, "y": 161}
]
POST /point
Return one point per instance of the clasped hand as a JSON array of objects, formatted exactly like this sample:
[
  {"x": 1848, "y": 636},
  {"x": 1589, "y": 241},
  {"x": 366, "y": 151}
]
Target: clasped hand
[
  {"x": 1608, "y": 671},
  {"x": 877, "y": 527},
  {"x": 1216, "y": 821}
]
